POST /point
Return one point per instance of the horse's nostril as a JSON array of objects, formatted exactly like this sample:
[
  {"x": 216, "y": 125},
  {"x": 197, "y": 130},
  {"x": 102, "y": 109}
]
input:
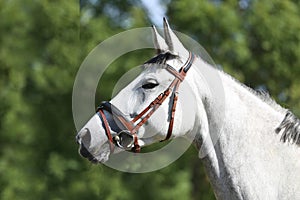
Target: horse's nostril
[
  {"x": 78, "y": 139},
  {"x": 84, "y": 137}
]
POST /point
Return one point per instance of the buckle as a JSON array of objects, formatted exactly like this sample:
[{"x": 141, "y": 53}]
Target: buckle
[{"x": 124, "y": 140}]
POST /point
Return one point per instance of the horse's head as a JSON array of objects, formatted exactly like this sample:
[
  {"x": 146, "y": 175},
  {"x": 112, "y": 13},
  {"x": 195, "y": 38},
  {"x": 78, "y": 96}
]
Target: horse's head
[{"x": 144, "y": 111}]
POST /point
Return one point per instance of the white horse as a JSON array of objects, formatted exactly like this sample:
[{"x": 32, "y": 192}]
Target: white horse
[{"x": 249, "y": 145}]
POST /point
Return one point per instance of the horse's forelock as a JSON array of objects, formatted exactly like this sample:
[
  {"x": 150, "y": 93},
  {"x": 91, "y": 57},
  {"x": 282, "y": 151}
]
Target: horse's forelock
[{"x": 161, "y": 58}]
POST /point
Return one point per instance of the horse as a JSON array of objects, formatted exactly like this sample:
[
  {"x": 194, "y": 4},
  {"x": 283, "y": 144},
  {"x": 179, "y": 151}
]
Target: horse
[{"x": 248, "y": 143}]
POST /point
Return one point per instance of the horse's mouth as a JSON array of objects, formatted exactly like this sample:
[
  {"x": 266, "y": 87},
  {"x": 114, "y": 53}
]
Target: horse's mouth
[{"x": 86, "y": 154}]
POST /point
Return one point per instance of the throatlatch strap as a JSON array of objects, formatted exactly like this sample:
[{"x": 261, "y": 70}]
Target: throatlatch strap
[
  {"x": 173, "y": 109},
  {"x": 179, "y": 77}
]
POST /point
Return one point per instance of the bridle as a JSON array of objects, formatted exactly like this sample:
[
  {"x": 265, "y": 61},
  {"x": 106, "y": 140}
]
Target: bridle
[{"x": 127, "y": 133}]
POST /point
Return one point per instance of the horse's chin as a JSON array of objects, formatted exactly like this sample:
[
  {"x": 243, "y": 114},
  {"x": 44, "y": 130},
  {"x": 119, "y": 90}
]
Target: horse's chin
[
  {"x": 95, "y": 158},
  {"x": 103, "y": 157}
]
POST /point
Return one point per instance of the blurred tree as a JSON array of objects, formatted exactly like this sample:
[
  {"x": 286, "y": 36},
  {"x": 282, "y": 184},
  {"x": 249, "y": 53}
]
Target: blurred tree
[{"x": 38, "y": 60}]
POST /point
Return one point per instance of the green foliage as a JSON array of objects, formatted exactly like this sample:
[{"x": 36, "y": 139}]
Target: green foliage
[
  {"x": 38, "y": 59},
  {"x": 42, "y": 46}
]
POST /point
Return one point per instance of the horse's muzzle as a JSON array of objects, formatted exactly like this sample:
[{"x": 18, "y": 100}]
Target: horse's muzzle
[{"x": 83, "y": 138}]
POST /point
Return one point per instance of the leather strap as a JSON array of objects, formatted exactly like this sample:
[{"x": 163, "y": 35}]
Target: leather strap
[
  {"x": 173, "y": 109},
  {"x": 107, "y": 129}
]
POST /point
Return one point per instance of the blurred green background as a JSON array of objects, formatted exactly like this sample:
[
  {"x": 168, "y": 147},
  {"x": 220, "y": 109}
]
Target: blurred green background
[{"x": 42, "y": 44}]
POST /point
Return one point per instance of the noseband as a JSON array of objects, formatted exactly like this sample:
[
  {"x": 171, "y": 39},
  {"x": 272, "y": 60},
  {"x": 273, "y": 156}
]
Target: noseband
[{"x": 127, "y": 133}]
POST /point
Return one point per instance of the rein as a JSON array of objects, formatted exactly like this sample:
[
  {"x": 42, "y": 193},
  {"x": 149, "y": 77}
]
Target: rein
[{"x": 127, "y": 133}]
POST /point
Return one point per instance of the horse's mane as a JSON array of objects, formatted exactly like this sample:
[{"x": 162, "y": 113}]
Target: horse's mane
[
  {"x": 161, "y": 58},
  {"x": 289, "y": 128},
  {"x": 290, "y": 125}
]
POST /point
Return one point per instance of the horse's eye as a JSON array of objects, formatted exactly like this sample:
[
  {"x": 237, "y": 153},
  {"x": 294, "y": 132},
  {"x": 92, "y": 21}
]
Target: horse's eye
[{"x": 149, "y": 85}]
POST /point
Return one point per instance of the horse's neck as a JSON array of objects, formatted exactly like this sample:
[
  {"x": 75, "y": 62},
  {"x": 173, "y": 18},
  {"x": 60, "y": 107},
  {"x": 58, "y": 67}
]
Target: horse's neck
[
  {"x": 248, "y": 119},
  {"x": 243, "y": 145}
]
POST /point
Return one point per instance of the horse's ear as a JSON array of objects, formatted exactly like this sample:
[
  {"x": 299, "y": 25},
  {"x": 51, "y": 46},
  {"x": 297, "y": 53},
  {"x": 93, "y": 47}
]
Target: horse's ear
[
  {"x": 159, "y": 42},
  {"x": 174, "y": 44}
]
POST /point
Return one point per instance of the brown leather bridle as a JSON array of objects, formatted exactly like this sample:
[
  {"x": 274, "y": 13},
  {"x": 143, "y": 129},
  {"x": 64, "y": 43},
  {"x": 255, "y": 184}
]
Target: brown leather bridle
[{"x": 128, "y": 128}]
